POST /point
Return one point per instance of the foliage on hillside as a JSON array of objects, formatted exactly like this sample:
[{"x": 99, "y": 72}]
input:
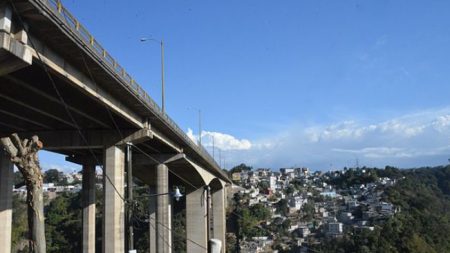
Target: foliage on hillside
[
  {"x": 240, "y": 168},
  {"x": 423, "y": 225}
]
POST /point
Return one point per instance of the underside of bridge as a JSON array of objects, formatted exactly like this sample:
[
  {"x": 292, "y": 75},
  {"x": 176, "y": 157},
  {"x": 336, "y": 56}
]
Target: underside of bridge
[{"x": 58, "y": 83}]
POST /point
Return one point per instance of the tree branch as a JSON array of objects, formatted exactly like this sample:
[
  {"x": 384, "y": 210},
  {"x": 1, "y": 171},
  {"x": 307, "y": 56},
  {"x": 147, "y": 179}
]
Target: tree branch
[
  {"x": 18, "y": 143},
  {"x": 9, "y": 147}
]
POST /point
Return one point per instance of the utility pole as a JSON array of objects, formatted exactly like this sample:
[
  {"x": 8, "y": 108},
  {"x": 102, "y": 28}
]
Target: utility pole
[
  {"x": 163, "y": 103},
  {"x": 213, "y": 147},
  {"x": 220, "y": 158},
  {"x": 199, "y": 127},
  {"x": 163, "y": 98}
]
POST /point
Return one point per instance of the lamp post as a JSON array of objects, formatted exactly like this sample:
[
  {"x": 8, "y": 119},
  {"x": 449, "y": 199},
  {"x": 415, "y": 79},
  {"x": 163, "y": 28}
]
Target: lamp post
[
  {"x": 176, "y": 194},
  {"x": 161, "y": 42},
  {"x": 199, "y": 124}
]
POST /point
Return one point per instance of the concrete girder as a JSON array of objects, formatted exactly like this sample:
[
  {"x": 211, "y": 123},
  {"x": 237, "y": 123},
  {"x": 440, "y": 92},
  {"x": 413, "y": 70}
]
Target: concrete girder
[
  {"x": 53, "y": 99},
  {"x": 192, "y": 174},
  {"x": 88, "y": 139},
  {"x": 11, "y": 126},
  {"x": 36, "y": 110},
  {"x": 166, "y": 140},
  {"x": 13, "y": 54},
  {"x": 61, "y": 67},
  {"x": 25, "y": 119}
]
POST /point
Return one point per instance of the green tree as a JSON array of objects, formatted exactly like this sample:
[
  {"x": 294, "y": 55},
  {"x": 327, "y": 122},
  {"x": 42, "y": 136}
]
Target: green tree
[
  {"x": 54, "y": 176},
  {"x": 64, "y": 223},
  {"x": 240, "y": 168}
]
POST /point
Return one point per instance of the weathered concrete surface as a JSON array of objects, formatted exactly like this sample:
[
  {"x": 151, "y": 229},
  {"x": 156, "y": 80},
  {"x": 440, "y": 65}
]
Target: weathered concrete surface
[
  {"x": 196, "y": 222},
  {"x": 114, "y": 206},
  {"x": 152, "y": 221},
  {"x": 14, "y": 53},
  {"x": 88, "y": 208},
  {"x": 218, "y": 209},
  {"x": 6, "y": 189},
  {"x": 162, "y": 209}
]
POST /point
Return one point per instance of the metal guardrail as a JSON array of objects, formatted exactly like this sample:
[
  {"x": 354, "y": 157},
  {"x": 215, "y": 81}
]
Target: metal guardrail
[{"x": 91, "y": 43}]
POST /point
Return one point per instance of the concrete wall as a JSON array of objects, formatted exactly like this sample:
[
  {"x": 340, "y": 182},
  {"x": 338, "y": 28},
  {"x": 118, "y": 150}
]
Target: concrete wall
[
  {"x": 6, "y": 189},
  {"x": 114, "y": 206}
]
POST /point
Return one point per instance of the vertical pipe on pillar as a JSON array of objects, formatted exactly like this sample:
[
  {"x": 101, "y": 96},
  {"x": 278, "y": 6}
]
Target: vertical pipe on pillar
[
  {"x": 88, "y": 194},
  {"x": 6, "y": 189},
  {"x": 169, "y": 220},
  {"x": 130, "y": 241},
  {"x": 114, "y": 205},
  {"x": 219, "y": 219},
  {"x": 162, "y": 204},
  {"x": 152, "y": 221},
  {"x": 208, "y": 212}
]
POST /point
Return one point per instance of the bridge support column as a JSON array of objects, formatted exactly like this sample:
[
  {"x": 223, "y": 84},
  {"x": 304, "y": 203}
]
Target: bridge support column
[
  {"x": 6, "y": 189},
  {"x": 152, "y": 222},
  {"x": 218, "y": 210},
  {"x": 88, "y": 194},
  {"x": 114, "y": 205},
  {"x": 163, "y": 242},
  {"x": 196, "y": 222}
]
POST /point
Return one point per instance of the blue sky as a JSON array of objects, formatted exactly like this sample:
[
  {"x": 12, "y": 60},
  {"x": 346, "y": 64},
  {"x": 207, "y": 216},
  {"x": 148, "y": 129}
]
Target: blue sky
[{"x": 292, "y": 83}]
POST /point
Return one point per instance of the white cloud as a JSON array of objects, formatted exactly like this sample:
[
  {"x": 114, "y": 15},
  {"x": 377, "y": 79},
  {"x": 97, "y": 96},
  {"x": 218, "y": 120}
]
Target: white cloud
[
  {"x": 415, "y": 139},
  {"x": 192, "y": 136},
  {"x": 221, "y": 141},
  {"x": 377, "y": 152}
]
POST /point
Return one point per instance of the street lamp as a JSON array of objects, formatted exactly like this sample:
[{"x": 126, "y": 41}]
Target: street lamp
[
  {"x": 199, "y": 124},
  {"x": 161, "y": 42},
  {"x": 176, "y": 194}
]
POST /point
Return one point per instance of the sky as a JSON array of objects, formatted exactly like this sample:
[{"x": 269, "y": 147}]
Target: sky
[{"x": 321, "y": 84}]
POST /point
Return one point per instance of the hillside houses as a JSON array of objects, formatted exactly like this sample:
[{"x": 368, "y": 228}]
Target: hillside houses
[{"x": 306, "y": 207}]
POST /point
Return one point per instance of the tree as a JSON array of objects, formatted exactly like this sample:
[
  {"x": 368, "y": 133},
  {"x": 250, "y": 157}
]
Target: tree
[
  {"x": 263, "y": 185},
  {"x": 308, "y": 210},
  {"x": 241, "y": 167},
  {"x": 282, "y": 207},
  {"x": 64, "y": 223},
  {"x": 23, "y": 154},
  {"x": 53, "y": 176},
  {"x": 19, "y": 223}
]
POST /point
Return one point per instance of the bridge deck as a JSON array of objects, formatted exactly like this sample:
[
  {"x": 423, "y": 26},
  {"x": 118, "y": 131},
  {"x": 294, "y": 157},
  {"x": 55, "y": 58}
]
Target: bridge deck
[{"x": 29, "y": 102}]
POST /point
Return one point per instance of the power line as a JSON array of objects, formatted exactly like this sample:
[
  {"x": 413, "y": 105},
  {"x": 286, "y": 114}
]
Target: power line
[
  {"x": 171, "y": 171},
  {"x": 66, "y": 107},
  {"x": 171, "y": 230}
]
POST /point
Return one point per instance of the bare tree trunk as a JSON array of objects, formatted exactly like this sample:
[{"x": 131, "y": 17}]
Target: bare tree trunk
[{"x": 24, "y": 155}]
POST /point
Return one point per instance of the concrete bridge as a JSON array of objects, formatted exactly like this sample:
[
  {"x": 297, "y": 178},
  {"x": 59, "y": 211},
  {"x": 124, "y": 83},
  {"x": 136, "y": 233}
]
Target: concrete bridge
[{"x": 58, "y": 82}]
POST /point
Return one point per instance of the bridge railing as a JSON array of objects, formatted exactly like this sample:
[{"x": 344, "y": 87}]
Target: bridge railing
[{"x": 91, "y": 43}]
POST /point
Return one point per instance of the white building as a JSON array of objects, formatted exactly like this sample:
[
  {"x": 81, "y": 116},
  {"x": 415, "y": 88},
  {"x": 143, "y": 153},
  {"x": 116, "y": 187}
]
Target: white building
[
  {"x": 272, "y": 182},
  {"x": 335, "y": 228},
  {"x": 296, "y": 203}
]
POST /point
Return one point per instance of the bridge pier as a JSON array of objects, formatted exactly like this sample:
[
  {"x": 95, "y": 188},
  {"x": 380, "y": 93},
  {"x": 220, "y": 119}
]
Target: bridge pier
[
  {"x": 88, "y": 194},
  {"x": 196, "y": 222},
  {"x": 218, "y": 210},
  {"x": 6, "y": 190},
  {"x": 163, "y": 232},
  {"x": 114, "y": 205}
]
